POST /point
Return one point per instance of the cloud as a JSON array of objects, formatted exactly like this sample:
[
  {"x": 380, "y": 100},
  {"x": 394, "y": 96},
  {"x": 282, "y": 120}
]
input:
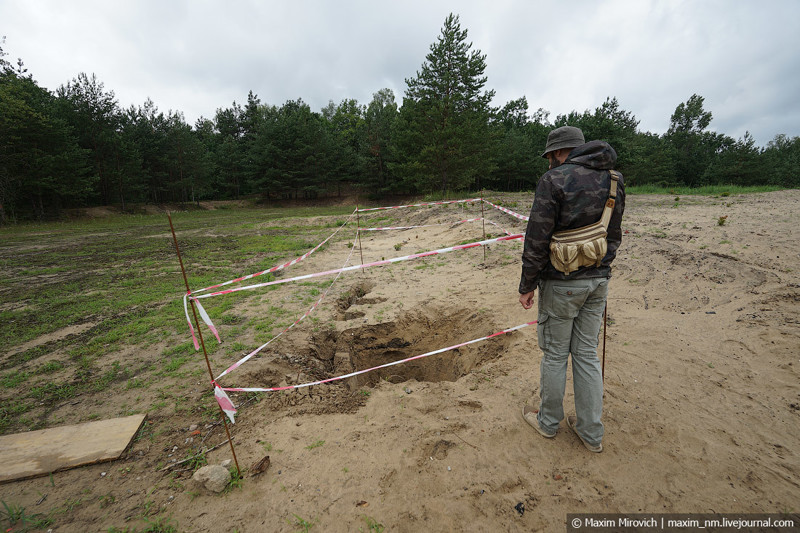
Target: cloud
[{"x": 198, "y": 56}]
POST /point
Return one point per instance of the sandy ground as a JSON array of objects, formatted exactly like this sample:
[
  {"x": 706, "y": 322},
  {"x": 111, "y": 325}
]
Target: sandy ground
[{"x": 702, "y": 397}]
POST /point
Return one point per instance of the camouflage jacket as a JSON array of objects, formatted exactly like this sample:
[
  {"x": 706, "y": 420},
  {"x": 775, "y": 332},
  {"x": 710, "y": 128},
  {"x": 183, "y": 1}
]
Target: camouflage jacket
[{"x": 570, "y": 196}]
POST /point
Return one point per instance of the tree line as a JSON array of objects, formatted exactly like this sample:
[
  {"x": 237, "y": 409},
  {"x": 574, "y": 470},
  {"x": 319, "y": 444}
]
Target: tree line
[{"x": 77, "y": 147}]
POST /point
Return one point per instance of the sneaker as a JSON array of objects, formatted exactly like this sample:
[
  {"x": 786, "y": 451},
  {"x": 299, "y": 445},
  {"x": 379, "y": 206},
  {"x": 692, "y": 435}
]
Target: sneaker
[
  {"x": 595, "y": 448},
  {"x": 529, "y": 415}
]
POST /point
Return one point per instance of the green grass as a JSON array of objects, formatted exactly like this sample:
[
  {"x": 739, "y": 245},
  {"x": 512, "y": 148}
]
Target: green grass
[
  {"x": 16, "y": 518},
  {"x": 80, "y": 292},
  {"x": 304, "y": 525},
  {"x": 708, "y": 190},
  {"x": 50, "y": 392},
  {"x": 159, "y": 524},
  {"x": 13, "y": 379},
  {"x": 373, "y": 525}
]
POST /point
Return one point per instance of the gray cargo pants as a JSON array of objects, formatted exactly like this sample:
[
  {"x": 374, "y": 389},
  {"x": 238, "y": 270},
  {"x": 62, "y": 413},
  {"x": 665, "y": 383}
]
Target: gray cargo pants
[{"x": 570, "y": 316}]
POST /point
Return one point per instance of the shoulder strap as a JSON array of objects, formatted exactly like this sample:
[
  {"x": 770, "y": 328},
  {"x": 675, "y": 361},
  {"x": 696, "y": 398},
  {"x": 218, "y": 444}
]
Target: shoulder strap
[{"x": 612, "y": 197}]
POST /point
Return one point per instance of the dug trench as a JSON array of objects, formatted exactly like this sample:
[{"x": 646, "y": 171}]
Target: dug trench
[
  {"x": 330, "y": 353},
  {"x": 415, "y": 333}
]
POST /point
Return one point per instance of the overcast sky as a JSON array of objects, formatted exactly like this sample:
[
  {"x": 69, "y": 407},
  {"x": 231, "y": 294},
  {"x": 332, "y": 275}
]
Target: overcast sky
[{"x": 196, "y": 56}]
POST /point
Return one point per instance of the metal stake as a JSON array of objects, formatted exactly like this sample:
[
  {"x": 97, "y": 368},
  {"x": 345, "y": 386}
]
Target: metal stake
[{"x": 202, "y": 343}]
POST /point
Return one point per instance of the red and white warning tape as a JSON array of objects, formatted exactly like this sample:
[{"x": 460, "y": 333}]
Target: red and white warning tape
[
  {"x": 501, "y": 228},
  {"x": 244, "y": 359},
  {"x": 366, "y": 265},
  {"x": 219, "y": 392},
  {"x": 506, "y": 210},
  {"x": 419, "y": 205},
  {"x": 204, "y": 316},
  {"x": 278, "y": 267}
]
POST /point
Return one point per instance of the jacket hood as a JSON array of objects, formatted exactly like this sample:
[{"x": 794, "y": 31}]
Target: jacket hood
[{"x": 594, "y": 154}]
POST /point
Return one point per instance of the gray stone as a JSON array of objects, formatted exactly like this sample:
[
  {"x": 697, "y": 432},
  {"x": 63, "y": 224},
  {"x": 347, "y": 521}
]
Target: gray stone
[{"x": 213, "y": 477}]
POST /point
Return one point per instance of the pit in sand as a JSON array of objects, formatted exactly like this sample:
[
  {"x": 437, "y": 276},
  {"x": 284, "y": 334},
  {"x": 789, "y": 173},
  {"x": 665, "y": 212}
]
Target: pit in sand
[{"x": 417, "y": 332}]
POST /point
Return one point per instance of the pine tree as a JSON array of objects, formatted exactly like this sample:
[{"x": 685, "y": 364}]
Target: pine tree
[
  {"x": 444, "y": 126},
  {"x": 41, "y": 165},
  {"x": 379, "y": 120}
]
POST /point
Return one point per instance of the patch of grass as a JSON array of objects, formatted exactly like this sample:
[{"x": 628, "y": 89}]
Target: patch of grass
[
  {"x": 50, "y": 367},
  {"x": 708, "y": 190},
  {"x": 379, "y": 315},
  {"x": 70, "y": 505},
  {"x": 373, "y": 525},
  {"x": 106, "y": 500},
  {"x": 161, "y": 524},
  {"x": 302, "y": 523},
  {"x": 231, "y": 320},
  {"x": 145, "y": 432},
  {"x": 175, "y": 363},
  {"x": 158, "y": 406},
  {"x": 195, "y": 461},
  {"x": 236, "y": 482},
  {"x": 317, "y": 444},
  {"x": 116, "y": 372},
  {"x": 237, "y": 347},
  {"x": 136, "y": 383},
  {"x": 10, "y": 411},
  {"x": 18, "y": 519},
  {"x": 50, "y": 392},
  {"x": 466, "y": 241},
  {"x": 13, "y": 379}
]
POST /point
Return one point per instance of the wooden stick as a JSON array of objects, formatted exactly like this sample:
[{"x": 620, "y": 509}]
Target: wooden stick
[
  {"x": 358, "y": 235},
  {"x": 605, "y": 322},
  {"x": 202, "y": 343},
  {"x": 483, "y": 222}
]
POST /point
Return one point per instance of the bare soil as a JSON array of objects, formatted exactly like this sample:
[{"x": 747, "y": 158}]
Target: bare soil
[{"x": 702, "y": 396}]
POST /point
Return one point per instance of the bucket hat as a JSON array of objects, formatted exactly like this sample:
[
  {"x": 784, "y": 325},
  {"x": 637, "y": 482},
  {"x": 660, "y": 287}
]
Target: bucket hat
[{"x": 563, "y": 137}]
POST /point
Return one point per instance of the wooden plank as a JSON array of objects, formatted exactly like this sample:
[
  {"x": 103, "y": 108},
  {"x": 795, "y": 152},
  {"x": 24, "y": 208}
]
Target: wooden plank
[{"x": 38, "y": 453}]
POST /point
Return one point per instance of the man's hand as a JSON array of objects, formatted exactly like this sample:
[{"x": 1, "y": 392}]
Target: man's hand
[{"x": 527, "y": 299}]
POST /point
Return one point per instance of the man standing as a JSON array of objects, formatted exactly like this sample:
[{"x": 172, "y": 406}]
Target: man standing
[{"x": 571, "y": 195}]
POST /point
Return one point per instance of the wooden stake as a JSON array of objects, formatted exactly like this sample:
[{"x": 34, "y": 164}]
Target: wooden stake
[
  {"x": 483, "y": 222},
  {"x": 202, "y": 343},
  {"x": 358, "y": 236},
  {"x": 605, "y": 321}
]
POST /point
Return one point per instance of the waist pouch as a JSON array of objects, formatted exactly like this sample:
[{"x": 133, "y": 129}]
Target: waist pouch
[
  {"x": 584, "y": 247},
  {"x": 572, "y": 249}
]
